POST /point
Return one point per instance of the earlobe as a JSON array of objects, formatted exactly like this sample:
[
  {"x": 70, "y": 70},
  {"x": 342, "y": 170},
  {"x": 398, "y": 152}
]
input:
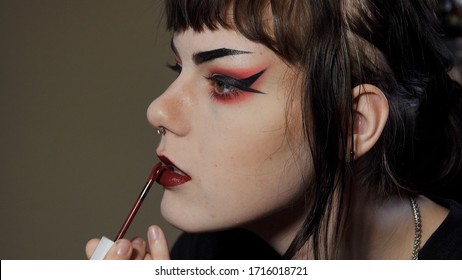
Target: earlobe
[{"x": 370, "y": 108}]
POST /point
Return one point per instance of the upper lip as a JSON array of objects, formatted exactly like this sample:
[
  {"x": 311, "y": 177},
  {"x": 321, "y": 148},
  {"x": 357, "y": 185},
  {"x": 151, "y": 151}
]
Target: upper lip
[{"x": 168, "y": 163}]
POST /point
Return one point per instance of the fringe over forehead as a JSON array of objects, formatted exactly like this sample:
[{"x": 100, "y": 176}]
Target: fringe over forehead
[{"x": 280, "y": 25}]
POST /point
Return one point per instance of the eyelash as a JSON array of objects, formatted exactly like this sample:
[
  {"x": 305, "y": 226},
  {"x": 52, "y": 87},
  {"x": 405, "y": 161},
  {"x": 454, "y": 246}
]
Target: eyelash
[
  {"x": 237, "y": 86},
  {"x": 224, "y": 87},
  {"x": 175, "y": 67}
]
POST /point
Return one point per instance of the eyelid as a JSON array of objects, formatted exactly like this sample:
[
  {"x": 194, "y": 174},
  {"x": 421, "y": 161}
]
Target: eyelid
[{"x": 242, "y": 84}]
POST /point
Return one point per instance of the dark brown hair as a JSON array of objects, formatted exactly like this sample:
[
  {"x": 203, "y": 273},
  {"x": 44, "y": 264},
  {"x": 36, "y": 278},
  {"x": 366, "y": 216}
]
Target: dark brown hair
[{"x": 394, "y": 45}]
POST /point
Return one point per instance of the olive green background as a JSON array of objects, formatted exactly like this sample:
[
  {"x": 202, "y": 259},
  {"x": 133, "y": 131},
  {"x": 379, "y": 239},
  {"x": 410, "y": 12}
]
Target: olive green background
[{"x": 76, "y": 78}]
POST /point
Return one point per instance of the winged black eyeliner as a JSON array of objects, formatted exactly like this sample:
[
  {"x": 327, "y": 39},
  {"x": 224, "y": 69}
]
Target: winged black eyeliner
[{"x": 242, "y": 84}]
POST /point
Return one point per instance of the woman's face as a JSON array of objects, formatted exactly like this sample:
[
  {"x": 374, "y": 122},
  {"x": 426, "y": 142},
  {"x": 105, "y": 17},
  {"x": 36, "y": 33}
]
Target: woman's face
[{"x": 234, "y": 128}]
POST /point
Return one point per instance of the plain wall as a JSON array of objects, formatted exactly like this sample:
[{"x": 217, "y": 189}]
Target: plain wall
[{"x": 76, "y": 78}]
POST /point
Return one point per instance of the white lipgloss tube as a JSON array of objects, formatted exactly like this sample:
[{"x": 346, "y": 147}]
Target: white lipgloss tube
[{"x": 103, "y": 247}]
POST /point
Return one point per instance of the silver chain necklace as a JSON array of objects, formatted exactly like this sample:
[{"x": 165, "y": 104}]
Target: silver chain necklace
[{"x": 417, "y": 228}]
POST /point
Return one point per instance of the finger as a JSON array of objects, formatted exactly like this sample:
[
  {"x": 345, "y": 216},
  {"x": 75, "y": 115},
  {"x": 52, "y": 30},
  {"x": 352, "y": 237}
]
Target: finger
[
  {"x": 139, "y": 248},
  {"x": 91, "y": 246},
  {"x": 157, "y": 244},
  {"x": 121, "y": 250}
]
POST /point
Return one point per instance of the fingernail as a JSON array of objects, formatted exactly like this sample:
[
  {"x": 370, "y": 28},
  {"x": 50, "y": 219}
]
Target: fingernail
[
  {"x": 138, "y": 241},
  {"x": 153, "y": 233},
  {"x": 122, "y": 248}
]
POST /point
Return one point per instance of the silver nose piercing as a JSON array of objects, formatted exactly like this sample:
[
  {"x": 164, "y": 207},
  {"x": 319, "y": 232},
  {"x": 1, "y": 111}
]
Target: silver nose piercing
[{"x": 161, "y": 130}]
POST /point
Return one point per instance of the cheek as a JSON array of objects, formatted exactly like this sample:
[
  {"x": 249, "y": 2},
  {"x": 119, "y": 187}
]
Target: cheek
[
  {"x": 259, "y": 178},
  {"x": 247, "y": 143},
  {"x": 246, "y": 157}
]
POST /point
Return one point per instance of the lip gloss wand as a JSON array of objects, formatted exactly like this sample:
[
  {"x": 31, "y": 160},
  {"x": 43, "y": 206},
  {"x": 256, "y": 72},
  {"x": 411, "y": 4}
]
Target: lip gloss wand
[{"x": 105, "y": 243}]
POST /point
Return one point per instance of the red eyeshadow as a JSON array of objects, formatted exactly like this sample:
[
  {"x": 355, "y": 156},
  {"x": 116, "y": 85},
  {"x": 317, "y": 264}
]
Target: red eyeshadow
[
  {"x": 234, "y": 99},
  {"x": 236, "y": 73}
]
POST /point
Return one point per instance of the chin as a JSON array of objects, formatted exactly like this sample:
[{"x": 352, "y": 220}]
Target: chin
[
  {"x": 195, "y": 220},
  {"x": 182, "y": 218}
]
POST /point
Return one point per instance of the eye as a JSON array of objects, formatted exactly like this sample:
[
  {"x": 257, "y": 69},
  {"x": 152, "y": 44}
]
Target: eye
[
  {"x": 175, "y": 67},
  {"x": 223, "y": 88}
]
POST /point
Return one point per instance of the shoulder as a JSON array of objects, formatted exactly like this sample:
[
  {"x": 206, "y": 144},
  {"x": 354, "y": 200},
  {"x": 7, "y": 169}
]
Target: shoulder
[
  {"x": 446, "y": 241},
  {"x": 234, "y": 244}
]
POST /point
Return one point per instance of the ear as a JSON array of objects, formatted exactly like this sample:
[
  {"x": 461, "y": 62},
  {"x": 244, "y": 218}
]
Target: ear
[{"x": 370, "y": 108}]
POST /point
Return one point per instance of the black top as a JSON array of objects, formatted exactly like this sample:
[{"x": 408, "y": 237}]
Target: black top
[
  {"x": 446, "y": 242},
  {"x": 234, "y": 244},
  {"x": 237, "y": 244}
]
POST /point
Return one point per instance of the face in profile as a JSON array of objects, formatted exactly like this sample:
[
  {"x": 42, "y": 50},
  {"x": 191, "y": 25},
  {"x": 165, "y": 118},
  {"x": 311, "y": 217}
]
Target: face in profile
[{"x": 234, "y": 129}]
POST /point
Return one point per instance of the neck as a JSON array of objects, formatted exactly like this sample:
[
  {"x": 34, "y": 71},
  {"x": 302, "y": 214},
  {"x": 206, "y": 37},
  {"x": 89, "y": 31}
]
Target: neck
[
  {"x": 374, "y": 229},
  {"x": 379, "y": 229},
  {"x": 280, "y": 234}
]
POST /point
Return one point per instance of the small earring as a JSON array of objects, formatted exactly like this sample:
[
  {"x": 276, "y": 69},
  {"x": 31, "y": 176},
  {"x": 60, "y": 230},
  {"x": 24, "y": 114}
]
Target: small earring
[
  {"x": 352, "y": 155},
  {"x": 161, "y": 130}
]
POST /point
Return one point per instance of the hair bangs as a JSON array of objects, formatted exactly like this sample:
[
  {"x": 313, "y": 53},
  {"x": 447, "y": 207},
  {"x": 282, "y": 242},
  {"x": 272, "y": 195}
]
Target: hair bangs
[
  {"x": 279, "y": 25},
  {"x": 197, "y": 14}
]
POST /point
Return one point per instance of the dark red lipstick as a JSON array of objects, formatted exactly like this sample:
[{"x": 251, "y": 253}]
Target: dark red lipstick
[{"x": 172, "y": 176}]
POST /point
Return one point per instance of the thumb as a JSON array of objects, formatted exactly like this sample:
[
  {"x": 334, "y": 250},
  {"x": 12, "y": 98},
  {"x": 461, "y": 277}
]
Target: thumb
[
  {"x": 158, "y": 244},
  {"x": 91, "y": 246}
]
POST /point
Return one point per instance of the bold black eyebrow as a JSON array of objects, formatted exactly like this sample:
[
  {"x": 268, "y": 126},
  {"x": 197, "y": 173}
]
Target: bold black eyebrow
[
  {"x": 202, "y": 57},
  {"x": 205, "y": 56}
]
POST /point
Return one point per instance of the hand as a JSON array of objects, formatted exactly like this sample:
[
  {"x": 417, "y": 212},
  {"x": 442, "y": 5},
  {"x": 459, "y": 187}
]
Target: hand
[{"x": 136, "y": 249}]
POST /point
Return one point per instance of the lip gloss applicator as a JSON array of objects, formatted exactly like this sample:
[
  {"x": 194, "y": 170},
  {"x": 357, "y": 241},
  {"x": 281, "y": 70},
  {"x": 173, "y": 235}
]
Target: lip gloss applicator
[{"x": 105, "y": 243}]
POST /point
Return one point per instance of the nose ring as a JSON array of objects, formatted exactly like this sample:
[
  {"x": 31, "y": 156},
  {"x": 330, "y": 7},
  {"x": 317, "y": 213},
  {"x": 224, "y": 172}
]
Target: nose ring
[{"x": 161, "y": 130}]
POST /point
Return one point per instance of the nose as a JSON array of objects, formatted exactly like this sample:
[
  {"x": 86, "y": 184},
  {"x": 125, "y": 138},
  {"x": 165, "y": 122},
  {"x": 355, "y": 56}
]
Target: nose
[{"x": 170, "y": 110}]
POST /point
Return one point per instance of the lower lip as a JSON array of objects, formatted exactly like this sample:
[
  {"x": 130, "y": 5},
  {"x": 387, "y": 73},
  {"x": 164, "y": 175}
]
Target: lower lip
[{"x": 170, "y": 179}]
